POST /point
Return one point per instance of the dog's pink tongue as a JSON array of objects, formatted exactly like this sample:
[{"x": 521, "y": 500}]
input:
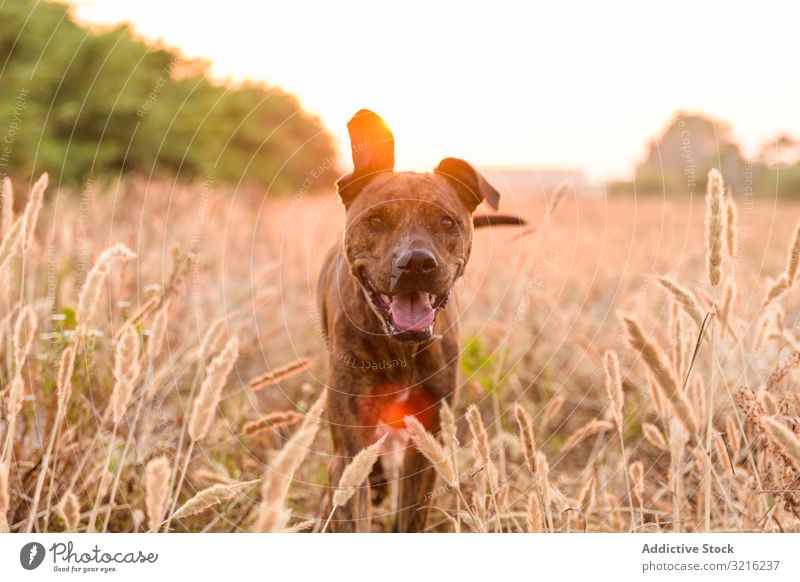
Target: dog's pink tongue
[{"x": 412, "y": 311}]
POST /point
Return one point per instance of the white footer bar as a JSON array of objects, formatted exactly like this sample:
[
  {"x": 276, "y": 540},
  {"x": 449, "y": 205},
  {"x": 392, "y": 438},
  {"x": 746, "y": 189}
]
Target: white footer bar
[{"x": 390, "y": 558}]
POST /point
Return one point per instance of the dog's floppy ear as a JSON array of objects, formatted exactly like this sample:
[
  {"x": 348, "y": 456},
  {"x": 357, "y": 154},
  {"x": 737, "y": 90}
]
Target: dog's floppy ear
[
  {"x": 372, "y": 144},
  {"x": 471, "y": 186}
]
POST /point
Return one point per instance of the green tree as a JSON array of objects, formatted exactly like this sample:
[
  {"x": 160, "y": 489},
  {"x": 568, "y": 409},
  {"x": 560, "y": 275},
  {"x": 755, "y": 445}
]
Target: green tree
[{"x": 83, "y": 103}]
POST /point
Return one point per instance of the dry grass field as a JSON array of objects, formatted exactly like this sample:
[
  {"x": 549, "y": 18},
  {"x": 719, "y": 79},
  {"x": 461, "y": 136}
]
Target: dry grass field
[{"x": 170, "y": 385}]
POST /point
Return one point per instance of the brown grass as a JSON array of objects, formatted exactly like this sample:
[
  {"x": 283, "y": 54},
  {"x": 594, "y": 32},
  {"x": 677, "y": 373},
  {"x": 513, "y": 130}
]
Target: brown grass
[{"x": 536, "y": 312}]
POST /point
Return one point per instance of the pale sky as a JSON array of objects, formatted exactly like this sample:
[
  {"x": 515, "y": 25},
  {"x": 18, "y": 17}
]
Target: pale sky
[{"x": 562, "y": 84}]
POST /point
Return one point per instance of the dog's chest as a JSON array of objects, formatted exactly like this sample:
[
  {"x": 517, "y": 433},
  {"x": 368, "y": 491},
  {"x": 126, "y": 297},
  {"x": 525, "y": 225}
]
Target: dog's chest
[
  {"x": 383, "y": 407},
  {"x": 382, "y": 410}
]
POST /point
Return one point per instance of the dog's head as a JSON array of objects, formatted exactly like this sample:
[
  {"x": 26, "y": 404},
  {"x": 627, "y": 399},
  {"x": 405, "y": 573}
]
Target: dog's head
[{"x": 408, "y": 235}]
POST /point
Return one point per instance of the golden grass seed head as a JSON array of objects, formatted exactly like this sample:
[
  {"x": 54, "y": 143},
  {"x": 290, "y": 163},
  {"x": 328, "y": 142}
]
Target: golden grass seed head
[
  {"x": 24, "y": 334},
  {"x": 273, "y": 514},
  {"x": 793, "y": 259},
  {"x": 127, "y": 368},
  {"x": 10, "y": 243},
  {"x": 205, "y": 404},
  {"x": 480, "y": 440},
  {"x": 156, "y": 489},
  {"x": 4, "y": 498},
  {"x": 534, "y": 517},
  {"x": 31, "y": 215},
  {"x": 731, "y": 225},
  {"x": 211, "y": 496},
  {"x": 430, "y": 448},
  {"x": 616, "y": 396},
  {"x": 658, "y": 364},
  {"x": 65, "y": 370},
  {"x": 93, "y": 286},
  {"x": 782, "y": 437},
  {"x": 526, "y": 436},
  {"x": 685, "y": 298},
  {"x": 714, "y": 226},
  {"x": 552, "y": 408},
  {"x": 653, "y": 436},
  {"x": 357, "y": 471},
  {"x": 449, "y": 427},
  {"x": 636, "y": 472},
  {"x": 69, "y": 510},
  {"x": 6, "y": 205}
]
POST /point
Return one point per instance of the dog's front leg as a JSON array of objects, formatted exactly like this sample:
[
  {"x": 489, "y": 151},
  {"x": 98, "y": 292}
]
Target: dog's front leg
[
  {"x": 416, "y": 492},
  {"x": 356, "y": 514}
]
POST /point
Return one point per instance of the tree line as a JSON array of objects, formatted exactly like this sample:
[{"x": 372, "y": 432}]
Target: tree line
[
  {"x": 678, "y": 161},
  {"x": 82, "y": 103}
]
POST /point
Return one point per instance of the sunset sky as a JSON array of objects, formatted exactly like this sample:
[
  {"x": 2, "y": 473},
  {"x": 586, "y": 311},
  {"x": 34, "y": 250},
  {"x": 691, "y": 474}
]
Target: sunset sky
[{"x": 561, "y": 85}]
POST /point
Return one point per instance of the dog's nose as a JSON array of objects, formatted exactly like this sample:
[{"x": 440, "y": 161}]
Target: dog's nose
[{"x": 416, "y": 260}]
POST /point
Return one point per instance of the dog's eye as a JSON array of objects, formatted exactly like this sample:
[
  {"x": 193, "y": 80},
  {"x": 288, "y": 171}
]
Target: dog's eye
[
  {"x": 375, "y": 221},
  {"x": 447, "y": 223}
]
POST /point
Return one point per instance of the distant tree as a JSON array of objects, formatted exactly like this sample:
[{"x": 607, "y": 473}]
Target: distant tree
[
  {"x": 781, "y": 160},
  {"x": 678, "y": 161},
  {"x": 83, "y": 103},
  {"x": 783, "y": 150}
]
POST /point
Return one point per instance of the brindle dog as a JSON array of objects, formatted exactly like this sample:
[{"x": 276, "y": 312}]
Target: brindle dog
[{"x": 383, "y": 296}]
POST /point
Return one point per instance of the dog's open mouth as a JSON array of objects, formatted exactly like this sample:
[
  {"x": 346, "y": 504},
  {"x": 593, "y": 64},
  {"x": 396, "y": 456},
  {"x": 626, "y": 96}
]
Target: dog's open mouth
[{"x": 409, "y": 315}]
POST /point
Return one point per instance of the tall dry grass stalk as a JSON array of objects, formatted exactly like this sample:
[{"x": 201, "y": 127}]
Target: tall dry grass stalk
[
  {"x": 715, "y": 198},
  {"x": 442, "y": 463},
  {"x": 552, "y": 408},
  {"x": 714, "y": 225},
  {"x": 526, "y": 436},
  {"x": 731, "y": 225},
  {"x": 657, "y": 362},
  {"x": 4, "y": 498},
  {"x": 685, "y": 299},
  {"x": 787, "y": 442},
  {"x": 591, "y": 428},
  {"x": 356, "y": 472},
  {"x": 10, "y": 243},
  {"x": 279, "y": 374},
  {"x": 483, "y": 453},
  {"x": 127, "y": 368},
  {"x": 616, "y": 398},
  {"x": 654, "y": 436},
  {"x": 204, "y": 408},
  {"x": 354, "y": 475},
  {"x": 212, "y": 496},
  {"x": 205, "y": 404},
  {"x": 793, "y": 258},
  {"x": 271, "y": 422},
  {"x": 63, "y": 393},
  {"x": 92, "y": 287},
  {"x": 24, "y": 334},
  {"x": 6, "y": 205},
  {"x": 69, "y": 510},
  {"x": 728, "y": 306},
  {"x": 31, "y": 215},
  {"x": 156, "y": 490},
  {"x": 272, "y": 514},
  {"x": 677, "y": 447},
  {"x": 480, "y": 439},
  {"x": 676, "y": 333},
  {"x": 158, "y": 332},
  {"x": 535, "y": 518},
  {"x": 636, "y": 472},
  {"x": 449, "y": 428},
  {"x": 430, "y": 448}
]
